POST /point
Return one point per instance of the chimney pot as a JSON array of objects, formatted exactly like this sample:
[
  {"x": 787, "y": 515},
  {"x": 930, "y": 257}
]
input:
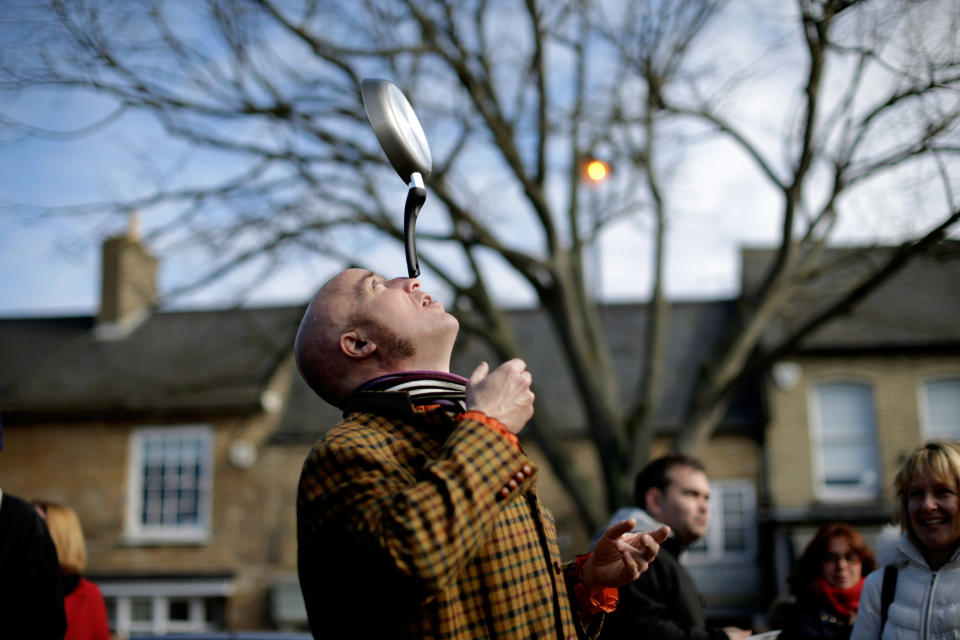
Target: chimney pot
[{"x": 128, "y": 289}]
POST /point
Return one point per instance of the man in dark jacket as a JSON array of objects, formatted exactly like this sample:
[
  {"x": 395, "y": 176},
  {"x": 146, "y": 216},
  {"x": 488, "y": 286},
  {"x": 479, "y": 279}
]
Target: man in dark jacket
[{"x": 664, "y": 603}]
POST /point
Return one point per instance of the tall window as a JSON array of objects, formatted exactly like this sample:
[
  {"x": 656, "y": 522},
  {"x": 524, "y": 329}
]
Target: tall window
[
  {"x": 171, "y": 476},
  {"x": 941, "y": 409},
  {"x": 845, "y": 441},
  {"x": 733, "y": 520}
]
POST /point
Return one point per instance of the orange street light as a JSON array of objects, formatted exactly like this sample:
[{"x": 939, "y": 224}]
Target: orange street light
[{"x": 597, "y": 170}]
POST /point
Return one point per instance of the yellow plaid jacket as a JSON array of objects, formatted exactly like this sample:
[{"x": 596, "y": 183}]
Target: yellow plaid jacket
[{"x": 402, "y": 532}]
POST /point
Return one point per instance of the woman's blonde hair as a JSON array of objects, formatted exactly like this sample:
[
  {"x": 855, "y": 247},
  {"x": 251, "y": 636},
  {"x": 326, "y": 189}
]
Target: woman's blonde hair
[
  {"x": 67, "y": 534},
  {"x": 939, "y": 460}
]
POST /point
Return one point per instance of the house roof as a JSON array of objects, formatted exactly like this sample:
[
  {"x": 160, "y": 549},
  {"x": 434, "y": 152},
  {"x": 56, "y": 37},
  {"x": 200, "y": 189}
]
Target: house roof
[
  {"x": 917, "y": 308},
  {"x": 694, "y": 329},
  {"x": 189, "y": 362},
  {"x": 217, "y": 362},
  {"x": 195, "y": 363}
]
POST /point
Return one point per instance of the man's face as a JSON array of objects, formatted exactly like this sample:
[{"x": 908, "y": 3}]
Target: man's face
[
  {"x": 399, "y": 312},
  {"x": 683, "y": 506}
]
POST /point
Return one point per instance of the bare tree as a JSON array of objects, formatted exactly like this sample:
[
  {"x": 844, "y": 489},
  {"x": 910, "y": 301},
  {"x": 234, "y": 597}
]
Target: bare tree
[{"x": 515, "y": 97}]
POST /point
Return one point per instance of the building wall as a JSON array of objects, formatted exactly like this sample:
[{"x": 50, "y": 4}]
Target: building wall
[
  {"x": 897, "y": 382},
  {"x": 85, "y": 465}
]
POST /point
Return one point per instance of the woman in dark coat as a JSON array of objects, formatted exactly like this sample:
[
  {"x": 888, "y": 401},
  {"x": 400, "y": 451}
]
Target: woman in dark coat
[{"x": 826, "y": 584}]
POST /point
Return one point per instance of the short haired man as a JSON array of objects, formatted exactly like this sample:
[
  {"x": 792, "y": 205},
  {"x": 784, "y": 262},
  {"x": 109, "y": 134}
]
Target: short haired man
[
  {"x": 664, "y": 603},
  {"x": 417, "y": 515}
]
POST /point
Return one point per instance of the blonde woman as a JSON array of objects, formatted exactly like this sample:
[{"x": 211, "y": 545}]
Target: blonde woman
[
  {"x": 86, "y": 610},
  {"x": 922, "y": 580}
]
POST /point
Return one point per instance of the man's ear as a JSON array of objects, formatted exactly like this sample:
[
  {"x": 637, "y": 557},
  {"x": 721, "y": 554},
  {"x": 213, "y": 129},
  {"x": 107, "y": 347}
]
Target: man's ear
[
  {"x": 653, "y": 500},
  {"x": 356, "y": 346}
]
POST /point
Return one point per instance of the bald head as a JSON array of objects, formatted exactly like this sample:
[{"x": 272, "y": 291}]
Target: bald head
[
  {"x": 359, "y": 326},
  {"x": 316, "y": 348}
]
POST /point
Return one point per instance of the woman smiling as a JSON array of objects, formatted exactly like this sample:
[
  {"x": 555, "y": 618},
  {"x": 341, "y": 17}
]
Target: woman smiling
[{"x": 924, "y": 597}]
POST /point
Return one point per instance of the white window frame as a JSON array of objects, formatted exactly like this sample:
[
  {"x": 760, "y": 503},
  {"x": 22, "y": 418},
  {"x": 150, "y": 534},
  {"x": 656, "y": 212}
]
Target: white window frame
[
  {"x": 136, "y": 532},
  {"x": 159, "y": 593},
  {"x": 711, "y": 548},
  {"x": 840, "y": 494},
  {"x": 928, "y": 429}
]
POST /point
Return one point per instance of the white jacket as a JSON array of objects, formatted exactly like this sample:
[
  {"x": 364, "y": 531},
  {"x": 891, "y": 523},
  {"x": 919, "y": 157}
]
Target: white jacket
[{"x": 926, "y": 604}]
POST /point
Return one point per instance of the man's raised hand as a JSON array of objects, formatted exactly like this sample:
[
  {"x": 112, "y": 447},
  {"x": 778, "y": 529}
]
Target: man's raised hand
[
  {"x": 503, "y": 394},
  {"x": 620, "y": 557}
]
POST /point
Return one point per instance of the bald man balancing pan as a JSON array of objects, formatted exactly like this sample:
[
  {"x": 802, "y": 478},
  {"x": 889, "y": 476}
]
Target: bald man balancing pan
[{"x": 417, "y": 514}]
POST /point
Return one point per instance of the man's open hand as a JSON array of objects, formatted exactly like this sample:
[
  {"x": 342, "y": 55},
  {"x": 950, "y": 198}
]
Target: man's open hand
[
  {"x": 504, "y": 394},
  {"x": 619, "y": 556}
]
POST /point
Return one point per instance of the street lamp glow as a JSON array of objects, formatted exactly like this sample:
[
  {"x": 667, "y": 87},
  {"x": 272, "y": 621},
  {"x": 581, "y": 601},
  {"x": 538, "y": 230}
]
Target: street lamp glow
[{"x": 597, "y": 170}]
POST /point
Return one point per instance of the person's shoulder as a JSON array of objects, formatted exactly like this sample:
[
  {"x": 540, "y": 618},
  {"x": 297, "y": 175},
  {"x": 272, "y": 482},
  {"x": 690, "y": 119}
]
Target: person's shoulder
[
  {"x": 890, "y": 546},
  {"x": 88, "y": 586},
  {"x": 872, "y": 585},
  {"x": 874, "y": 577},
  {"x": 357, "y": 435},
  {"x": 645, "y": 521},
  {"x": 783, "y": 611},
  {"x": 16, "y": 514},
  {"x": 360, "y": 429},
  {"x": 10, "y": 503}
]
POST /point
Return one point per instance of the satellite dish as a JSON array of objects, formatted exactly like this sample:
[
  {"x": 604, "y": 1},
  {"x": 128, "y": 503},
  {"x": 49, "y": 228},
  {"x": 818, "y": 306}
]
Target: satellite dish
[{"x": 403, "y": 141}]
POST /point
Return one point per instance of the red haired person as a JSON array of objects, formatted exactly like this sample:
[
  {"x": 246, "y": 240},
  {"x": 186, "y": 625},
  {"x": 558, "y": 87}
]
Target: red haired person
[{"x": 826, "y": 584}]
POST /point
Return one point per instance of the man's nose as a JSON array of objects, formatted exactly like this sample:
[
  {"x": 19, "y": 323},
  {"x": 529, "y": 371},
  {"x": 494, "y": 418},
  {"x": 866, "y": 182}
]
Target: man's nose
[{"x": 406, "y": 284}]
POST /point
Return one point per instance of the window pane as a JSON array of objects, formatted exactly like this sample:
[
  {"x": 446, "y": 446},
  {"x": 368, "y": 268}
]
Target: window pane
[
  {"x": 178, "y": 609},
  {"x": 848, "y": 447},
  {"x": 732, "y": 522},
  {"x": 943, "y": 409},
  {"x": 734, "y": 539},
  {"x": 141, "y": 610},
  {"x": 174, "y": 475},
  {"x": 214, "y": 612},
  {"x": 846, "y": 412},
  {"x": 111, "y": 603}
]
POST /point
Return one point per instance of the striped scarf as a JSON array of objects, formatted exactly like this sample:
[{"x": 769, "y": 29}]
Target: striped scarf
[{"x": 424, "y": 388}]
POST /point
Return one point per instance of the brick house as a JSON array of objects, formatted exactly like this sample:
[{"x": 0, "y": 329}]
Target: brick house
[
  {"x": 156, "y": 427},
  {"x": 852, "y": 401}
]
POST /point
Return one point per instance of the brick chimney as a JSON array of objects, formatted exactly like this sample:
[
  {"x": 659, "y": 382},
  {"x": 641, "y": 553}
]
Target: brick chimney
[{"x": 128, "y": 286}]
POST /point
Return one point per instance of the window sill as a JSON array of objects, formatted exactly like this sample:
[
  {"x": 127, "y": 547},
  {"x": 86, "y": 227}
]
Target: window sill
[
  {"x": 165, "y": 541},
  {"x": 839, "y": 497}
]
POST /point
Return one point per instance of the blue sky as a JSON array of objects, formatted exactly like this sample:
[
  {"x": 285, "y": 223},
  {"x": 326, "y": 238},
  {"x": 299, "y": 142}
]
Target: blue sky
[{"x": 50, "y": 267}]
